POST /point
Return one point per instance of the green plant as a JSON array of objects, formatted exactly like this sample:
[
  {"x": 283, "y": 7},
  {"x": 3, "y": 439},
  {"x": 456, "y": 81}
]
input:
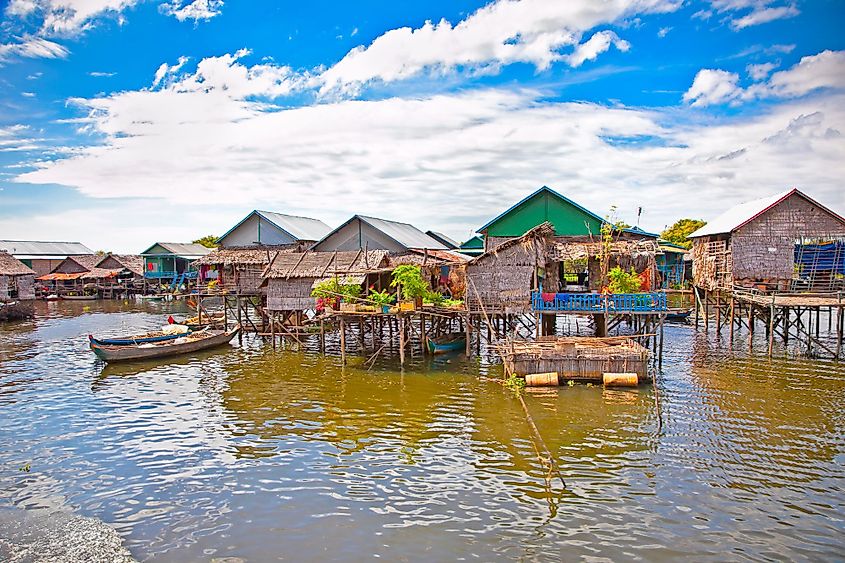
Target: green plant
[
  {"x": 454, "y": 303},
  {"x": 433, "y": 297},
  {"x": 334, "y": 288},
  {"x": 678, "y": 232},
  {"x": 624, "y": 282},
  {"x": 515, "y": 383},
  {"x": 409, "y": 279},
  {"x": 382, "y": 297}
]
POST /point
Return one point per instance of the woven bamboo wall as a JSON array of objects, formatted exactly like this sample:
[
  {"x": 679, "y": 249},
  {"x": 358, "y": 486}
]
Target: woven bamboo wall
[
  {"x": 712, "y": 262},
  {"x": 23, "y": 285},
  {"x": 502, "y": 281},
  {"x": 763, "y": 249},
  {"x": 4, "y": 287},
  {"x": 290, "y": 295}
]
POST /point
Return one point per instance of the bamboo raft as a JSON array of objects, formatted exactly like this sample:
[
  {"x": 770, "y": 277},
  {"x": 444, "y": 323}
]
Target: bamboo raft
[{"x": 583, "y": 359}]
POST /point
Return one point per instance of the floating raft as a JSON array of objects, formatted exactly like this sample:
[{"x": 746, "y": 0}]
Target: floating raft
[{"x": 584, "y": 359}]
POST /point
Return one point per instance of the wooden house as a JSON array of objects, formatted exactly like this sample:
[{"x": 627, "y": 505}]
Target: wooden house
[
  {"x": 672, "y": 264},
  {"x": 129, "y": 267},
  {"x": 17, "y": 280},
  {"x": 238, "y": 270},
  {"x": 266, "y": 228},
  {"x": 361, "y": 232},
  {"x": 290, "y": 277},
  {"x": 787, "y": 241},
  {"x": 43, "y": 256},
  {"x": 69, "y": 274},
  {"x": 171, "y": 261},
  {"x": 572, "y": 262}
]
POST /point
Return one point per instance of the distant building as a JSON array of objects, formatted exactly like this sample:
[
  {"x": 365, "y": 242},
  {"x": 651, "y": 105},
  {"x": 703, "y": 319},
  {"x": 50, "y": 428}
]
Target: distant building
[
  {"x": 473, "y": 247},
  {"x": 265, "y": 228},
  {"x": 171, "y": 260},
  {"x": 449, "y": 243},
  {"x": 362, "y": 232},
  {"x": 16, "y": 279},
  {"x": 43, "y": 256}
]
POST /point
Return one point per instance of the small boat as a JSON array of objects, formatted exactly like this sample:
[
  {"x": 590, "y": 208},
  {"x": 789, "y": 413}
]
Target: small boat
[
  {"x": 78, "y": 297},
  {"x": 51, "y": 297},
  {"x": 148, "y": 338},
  {"x": 679, "y": 315},
  {"x": 447, "y": 343},
  {"x": 193, "y": 342},
  {"x": 151, "y": 297}
]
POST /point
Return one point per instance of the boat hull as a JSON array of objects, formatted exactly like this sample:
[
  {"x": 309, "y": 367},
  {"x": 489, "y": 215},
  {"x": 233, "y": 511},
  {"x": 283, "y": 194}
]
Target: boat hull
[
  {"x": 444, "y": 346},
  {"x": 128, "y": 353},
  {"x": 78, "y": 297},
  {"x": 129, "y": 341}
]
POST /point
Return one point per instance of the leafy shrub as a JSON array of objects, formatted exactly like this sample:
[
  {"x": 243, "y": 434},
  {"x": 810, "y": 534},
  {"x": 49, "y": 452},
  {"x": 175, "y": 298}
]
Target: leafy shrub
[
  {"x": 410, "y": 279},
  {"x": 624, "y": 282}
]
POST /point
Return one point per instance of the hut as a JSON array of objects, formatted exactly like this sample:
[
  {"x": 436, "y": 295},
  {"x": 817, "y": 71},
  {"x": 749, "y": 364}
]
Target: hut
[
  {"x": 17, "y": 280},
  {"x": 290, "y": 277},
  {"x": 269, "y": 229},
  {"x": 672, "y": 264},
  {"x": 171, "y": 261},
  {"x": 68, "y": 276},
  {"x": 370, "y": 233},
  {"x": 43, "y": 256},
  {"x": 238, "y": 270},
  {"x": 784, "y": 242}
]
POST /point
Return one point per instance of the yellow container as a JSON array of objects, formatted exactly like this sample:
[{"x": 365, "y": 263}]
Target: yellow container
[
  {"x": 549, "y": 379},
  {"x": 406, "y": 306},
  {"x": 620, "y": 379}
]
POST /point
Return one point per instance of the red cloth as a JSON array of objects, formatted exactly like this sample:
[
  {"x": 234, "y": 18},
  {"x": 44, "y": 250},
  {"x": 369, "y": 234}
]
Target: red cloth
[
  {"x": 548, "y": 297},
  {"x": 171, "y": 320}
]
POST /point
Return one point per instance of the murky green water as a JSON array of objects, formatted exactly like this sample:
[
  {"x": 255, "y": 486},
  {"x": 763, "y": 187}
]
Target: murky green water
[{"x": 259, "y": 455}]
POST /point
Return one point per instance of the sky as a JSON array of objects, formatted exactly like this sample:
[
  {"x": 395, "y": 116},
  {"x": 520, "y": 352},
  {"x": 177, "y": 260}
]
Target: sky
[{"x": 126, "y": 122}]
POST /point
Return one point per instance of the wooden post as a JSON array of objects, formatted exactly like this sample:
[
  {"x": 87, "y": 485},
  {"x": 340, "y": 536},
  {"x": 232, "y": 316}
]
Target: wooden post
[
  {"x": 322, "y": 336},
  {"x": 241, "y": 332},
  {"x": 660, "y": 353},
  {"x": 468, "y": 337},
  {"x": 342, "y": 341},
  {"x": 422, "y": 334},
  {"x": 839, "y": 323},
  {"x": 401, "y": 321},
  {"x": 771, "y": 326},
  {"x": 697, "y": 302},
  {"x": 750, "y": 325},
  {"x": 733, "y": 313},
  {"x": 706, "y": 314},
  {"x": 718, "y": 312},
  {"x": 273, "y": 329}
]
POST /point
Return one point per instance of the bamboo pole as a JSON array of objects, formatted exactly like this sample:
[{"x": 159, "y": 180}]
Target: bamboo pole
[
  {"x": 401, "y": 322},
  {"x": 733, "y": 313},
  {"x": 771, "y": 326},
  {"x": 342, "y": 341}
]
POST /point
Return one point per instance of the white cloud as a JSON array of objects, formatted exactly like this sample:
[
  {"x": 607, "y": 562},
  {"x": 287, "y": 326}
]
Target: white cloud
[
  {"x": 713, "y": 86},
  {"x": 99, "y": 74},
  {"x": 664, "y": 31},
  {"x": 761, "y": 11},
  {"x": 501, "y": 33},
  {"x": 28, "y": 94},
  {"x": 594, "y": 46},
  {"x": 760, "y": 71},
  {"x": 196, "y": 10},
  {"x": 825, "y": 70},
  {"x": 459, "y": 158},
  {"x": 69, "y": 17},
  {"x": 32, "y": 48}
]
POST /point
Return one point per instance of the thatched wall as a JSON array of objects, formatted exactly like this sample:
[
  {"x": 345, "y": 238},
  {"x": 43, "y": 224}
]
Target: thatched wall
[
  {"x": 290, "y": 294},
  {"x": 17, "y": 287},
  {"x": 763, "y": 249},
  {"x": 712, "y": 262}
]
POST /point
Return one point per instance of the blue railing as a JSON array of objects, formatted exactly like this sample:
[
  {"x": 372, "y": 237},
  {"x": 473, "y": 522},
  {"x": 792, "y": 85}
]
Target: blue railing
[{"x": 597, "y": 303}]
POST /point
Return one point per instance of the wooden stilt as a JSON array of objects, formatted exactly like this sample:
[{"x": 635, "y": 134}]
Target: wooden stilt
[
  {"x": 718, "y": 313},
  {"x": 468, "y": 337},
  {"x": 733, "y": 313},
  {"x": 771, "y": 327},
  {"x": 660, "y": 352},
  {"x": 422, "y": 334},
  {"x": 839, "y": 322},
  {"x": 401, "y": 321},
  {"x": 342, "y": 341}
]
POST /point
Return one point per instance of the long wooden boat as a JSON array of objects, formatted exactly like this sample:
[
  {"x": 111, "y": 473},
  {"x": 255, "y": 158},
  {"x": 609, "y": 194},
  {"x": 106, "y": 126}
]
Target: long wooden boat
[
  {"x": 451, "y": 342},
  {"x": 192, "y": 343},
  {"x": 78, "y": 297},
  {"x": 679, "y": 315},
  {"x": 152, "y": 297},
  {"x": 149, "y": 338}
]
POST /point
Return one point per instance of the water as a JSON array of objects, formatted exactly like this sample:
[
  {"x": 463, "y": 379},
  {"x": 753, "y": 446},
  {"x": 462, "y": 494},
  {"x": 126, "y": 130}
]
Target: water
[{"x": 258, "y": 455}]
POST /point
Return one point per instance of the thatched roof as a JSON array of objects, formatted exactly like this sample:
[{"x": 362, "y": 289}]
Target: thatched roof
[
  {"x": 100, "y": 273},
  {"x": 323, "y": 264},
  {"x": 243, "y": 256},
  {"x": 132, "y": 262},
  {"x": 569, "y": 250},
  {"x": 11, "y": 266},
  {"x": 427, "y": 258},
  {"x": 544, "y": 232},
  {"x": 87, "y": 261}
]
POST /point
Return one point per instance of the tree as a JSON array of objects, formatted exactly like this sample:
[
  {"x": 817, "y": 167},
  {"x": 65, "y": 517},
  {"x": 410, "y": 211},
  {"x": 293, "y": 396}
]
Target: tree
[
  {"x": 678, "y": 232},
  {"x": 208, "y": 241}
]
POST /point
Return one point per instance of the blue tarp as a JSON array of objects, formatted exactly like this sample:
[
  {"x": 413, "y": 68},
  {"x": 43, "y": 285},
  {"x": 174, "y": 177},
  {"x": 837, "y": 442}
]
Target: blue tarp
[{"x": 815, "y": 258}]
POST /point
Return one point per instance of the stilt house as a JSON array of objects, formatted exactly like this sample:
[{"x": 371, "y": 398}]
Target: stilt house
[
  {"x": 785, "y": 242},
  {"x": 17, "y": 280},
  {"x": 43, "y": 256},
  {"x": 171, "y": 261}
]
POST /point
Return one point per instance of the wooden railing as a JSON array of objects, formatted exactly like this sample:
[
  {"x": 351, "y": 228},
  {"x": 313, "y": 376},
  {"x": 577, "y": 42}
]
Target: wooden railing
[{"x": 599, "y": 303}]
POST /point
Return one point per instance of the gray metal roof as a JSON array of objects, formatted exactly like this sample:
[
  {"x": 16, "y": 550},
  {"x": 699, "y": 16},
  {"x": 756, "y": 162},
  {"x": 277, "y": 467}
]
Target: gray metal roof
[
  {"x": 740, "y": 214},
  {"x": 444, "y": 239},
  {"x": 302, "y": 228},
  {"x": 45, "y": 249},
  {"x": 182, "y": 249},
  {"x": 407, "y": 235}
]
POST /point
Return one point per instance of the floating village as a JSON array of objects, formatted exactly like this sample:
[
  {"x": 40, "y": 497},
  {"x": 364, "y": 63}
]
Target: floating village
[{"x": 559, "y": 293}]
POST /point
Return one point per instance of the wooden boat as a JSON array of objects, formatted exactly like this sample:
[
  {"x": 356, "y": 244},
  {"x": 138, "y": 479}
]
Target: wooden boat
[
  {"x": 152, "y": 297},
  {"x": 192, "y": 343},
  {"x": 51, "y": 297},
  {"x": 678, "y": 315},
  {"x": 78, "y": 297},
  {"x": 148, "y": 338},
  {"x": 447, "y": 343}
]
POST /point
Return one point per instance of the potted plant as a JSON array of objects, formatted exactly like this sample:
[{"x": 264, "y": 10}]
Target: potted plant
[
  {"x": 382, "y": 299},
  {"x": 333, "y": 294},
  {"x": 411, "y": 285}
]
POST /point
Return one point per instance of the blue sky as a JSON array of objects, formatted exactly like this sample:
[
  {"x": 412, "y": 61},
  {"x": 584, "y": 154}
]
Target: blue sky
[{"x": 124, "y": 122}]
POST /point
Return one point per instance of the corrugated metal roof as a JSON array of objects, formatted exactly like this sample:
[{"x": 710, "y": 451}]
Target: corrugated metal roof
[
  {"x": 740, "y": 214},
  {"x": 302, "y": 228},
  {"x": 182, "y": 249},
  {"x": 37, "y": 248},
  {"x": 449, "y": 242},
  {"x": 407, "y": 235}
]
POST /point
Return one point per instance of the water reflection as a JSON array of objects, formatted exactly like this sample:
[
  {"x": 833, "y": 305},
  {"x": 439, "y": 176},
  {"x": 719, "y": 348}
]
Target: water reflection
[{"x": 246, "y": 452}]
